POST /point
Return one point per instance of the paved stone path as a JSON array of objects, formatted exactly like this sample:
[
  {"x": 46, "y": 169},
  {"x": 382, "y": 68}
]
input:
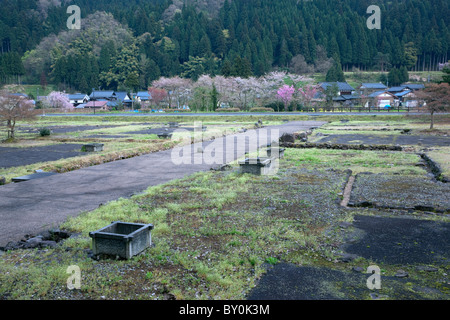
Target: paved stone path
[{"x": 36, "y": 205}]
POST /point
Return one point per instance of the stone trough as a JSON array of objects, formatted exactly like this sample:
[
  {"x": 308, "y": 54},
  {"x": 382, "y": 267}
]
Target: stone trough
[
  {"x": 257, "y": 166},
  {"x": 121, "y": 239},
  {"x": 92, "y": 147},
  {"x": 164, "y": 135}
]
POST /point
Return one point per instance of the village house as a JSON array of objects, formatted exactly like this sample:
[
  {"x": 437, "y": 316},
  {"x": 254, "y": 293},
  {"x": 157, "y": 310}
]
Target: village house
[
  {"x": 345, "y": 93},
  {"x": 407, "y": 99},
  {"x": 77, "y": 99},
  {"x": 343, "y": 87},
  {"x": 143, "y": 98},
  {"x": 123, "y": 98},
  {"x": 382, "y": 99}
]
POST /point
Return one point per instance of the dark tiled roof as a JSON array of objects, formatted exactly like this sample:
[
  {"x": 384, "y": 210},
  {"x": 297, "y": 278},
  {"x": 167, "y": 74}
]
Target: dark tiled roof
[
  {"x": 373, "y": 86},
  {"x": 375, "y": 94},
  {"x": 102, "y": 94},
  {"x": 342, "y": 86},
  {"x": 396, "y": 89},
  {"x": 413, "y": 86},
  {"x": 350, "y": 96},
  {"x": 401, "y": 94},
  {"x": 76, "y": 96},
  {"x": 121, "y": 95}
]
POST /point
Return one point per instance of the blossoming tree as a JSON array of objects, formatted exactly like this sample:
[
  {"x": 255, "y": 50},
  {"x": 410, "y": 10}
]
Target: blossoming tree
[{"x": 285, "y": 93}]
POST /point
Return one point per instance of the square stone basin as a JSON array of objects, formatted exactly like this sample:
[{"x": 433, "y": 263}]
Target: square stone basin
[
  {"x": 257, "y": 166},
  {"x": 164, "y": 135},
  {"x": 92, "y": 147},
  {"x": 123, "y": 239}
]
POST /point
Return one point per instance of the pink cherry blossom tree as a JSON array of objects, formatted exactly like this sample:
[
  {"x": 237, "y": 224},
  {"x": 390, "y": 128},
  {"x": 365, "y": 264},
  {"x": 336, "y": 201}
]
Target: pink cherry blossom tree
[
  {"x": 59, "y": 100},
  {"x": 285, "y": 93},
  {"x": 307, "y": 94},
  {"x": 178, "y": 89}
]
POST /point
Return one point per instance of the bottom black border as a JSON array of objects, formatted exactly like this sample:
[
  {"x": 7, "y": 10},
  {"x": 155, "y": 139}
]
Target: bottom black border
[{"x": 257, "y": 309}]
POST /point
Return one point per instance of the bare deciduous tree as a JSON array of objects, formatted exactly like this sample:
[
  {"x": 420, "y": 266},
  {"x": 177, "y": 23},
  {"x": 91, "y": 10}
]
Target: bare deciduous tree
[
  {"x": 436, "y": 98},
  {"x": 14, "y": 108}
]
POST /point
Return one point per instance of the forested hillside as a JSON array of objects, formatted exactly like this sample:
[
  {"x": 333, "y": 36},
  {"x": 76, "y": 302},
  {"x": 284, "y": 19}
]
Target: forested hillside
[{"x": 128, "y": 44}]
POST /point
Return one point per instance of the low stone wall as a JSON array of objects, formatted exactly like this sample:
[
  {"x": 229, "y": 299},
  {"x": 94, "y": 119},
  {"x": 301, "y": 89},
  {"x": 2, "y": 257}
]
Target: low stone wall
[
  {"x": 434, "y": 168},
  {"x": 328, "y": 145}
]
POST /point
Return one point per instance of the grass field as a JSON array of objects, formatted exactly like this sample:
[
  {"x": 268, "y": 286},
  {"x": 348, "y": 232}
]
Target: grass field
[{"x": 215, "y": 232}]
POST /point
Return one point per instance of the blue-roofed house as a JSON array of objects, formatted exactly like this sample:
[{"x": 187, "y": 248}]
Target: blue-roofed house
[
  {"x": 102, "y": 95},
  {"x": 123, "y": 98},
  {"x": 346, "y": 93},
  {"x": 407, "y": 98},
  {"x": 78, "y": 98},
  {"x": 382, "y": 99},
  {"x": 143, "y": 97}
]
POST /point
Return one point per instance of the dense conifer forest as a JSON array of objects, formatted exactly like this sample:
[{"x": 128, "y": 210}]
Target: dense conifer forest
[{"x": 128, "y": 44}]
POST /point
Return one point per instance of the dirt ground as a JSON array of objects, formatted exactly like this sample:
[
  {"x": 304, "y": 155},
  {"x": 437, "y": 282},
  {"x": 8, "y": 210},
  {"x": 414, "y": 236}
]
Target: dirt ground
[
  {"x": 14, "y": 157},
  {"x": 423, "y": 140},
  {"x": 415, "y": 252}
]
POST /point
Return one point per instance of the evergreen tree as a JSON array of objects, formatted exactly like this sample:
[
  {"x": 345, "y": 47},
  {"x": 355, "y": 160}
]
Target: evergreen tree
[
  {"x": 267, "y": 33},
  {"x": 394, "y": 78},
  {"x": 446, "y": 76},
  {"x": 335, "y": 73},
  {"x": 227, "y": 68},
  {"x": 403, "y": 74}
]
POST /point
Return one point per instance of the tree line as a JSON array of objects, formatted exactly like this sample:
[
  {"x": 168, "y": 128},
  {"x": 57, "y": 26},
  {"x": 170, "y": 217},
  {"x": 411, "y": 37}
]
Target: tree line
[{"x": 137, "y": 42}]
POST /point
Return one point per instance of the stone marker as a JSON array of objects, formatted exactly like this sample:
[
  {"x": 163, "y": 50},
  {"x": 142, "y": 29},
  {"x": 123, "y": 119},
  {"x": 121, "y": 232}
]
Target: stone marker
[{"x": 2, "y": 180}]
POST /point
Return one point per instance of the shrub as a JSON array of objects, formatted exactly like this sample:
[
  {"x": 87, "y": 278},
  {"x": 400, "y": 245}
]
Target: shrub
[
  {"x": 176, "y": 110},
  {"x": 228, "y": 110},
  {"x": 261, "y": 109},
  {"x": 45, "y": 132}
]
